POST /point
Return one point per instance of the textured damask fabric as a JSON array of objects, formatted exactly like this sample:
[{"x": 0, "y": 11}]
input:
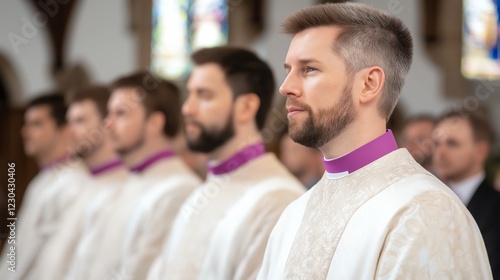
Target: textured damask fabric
[
  {"x": 429, "y": 242},
  {"x": 389, "y": 220},
  {"x": 337, "y": 200}
]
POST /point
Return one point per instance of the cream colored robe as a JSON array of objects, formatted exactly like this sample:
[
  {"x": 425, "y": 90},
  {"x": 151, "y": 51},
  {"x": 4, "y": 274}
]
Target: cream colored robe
[
  {"x": 54, "y": 257},
  {"x": 222, "y": 229},
  {"x": 130, "y": 235},
  {"x": 47, "y": 197},
  {"x": 388, "y": 220}
]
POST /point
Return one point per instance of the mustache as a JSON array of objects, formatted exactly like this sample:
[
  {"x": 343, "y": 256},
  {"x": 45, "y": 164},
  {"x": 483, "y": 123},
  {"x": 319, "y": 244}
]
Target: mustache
[
  {"x": 191, "y": 121},
  {"x": 298, "y": 105}
]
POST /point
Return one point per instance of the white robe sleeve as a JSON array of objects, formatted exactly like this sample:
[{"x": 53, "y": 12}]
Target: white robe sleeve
[{"x": 413, "y": 250}]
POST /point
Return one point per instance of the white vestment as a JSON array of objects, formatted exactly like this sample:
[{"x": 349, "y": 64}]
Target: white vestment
[
  {"x": 391, "y": 219},
  {"x": 47, "y": 197},
  {"x": 130, "y": 235},
  {"x": 53, "y": 259},
  {"x": 222, "y": 229}
]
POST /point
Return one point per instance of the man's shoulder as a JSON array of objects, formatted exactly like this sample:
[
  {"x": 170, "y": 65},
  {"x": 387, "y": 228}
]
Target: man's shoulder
[
  {"x": 170, "y": 173},
  {"x": 417, "y": 195},
  {"x": 424, "y": 186},
  {"x": 176, "y": 185},
  {"x": 269, "y": 170}
]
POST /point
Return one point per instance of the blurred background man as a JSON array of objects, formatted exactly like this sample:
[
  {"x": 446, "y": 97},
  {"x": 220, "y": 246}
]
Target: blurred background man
[
  {"x": 463, "y": 140},
  {"x": 416, "y": 136},
  {"x": 45, "y": 131},
  {"x": 143, "y": 119},
  {"x": 223, "y": 227},
  {"x": 45, "y": 137},
  {"x": 90, "y": 141}
]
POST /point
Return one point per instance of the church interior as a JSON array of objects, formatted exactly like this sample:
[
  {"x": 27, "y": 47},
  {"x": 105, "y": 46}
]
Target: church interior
[{"x": 68, "y": 46}]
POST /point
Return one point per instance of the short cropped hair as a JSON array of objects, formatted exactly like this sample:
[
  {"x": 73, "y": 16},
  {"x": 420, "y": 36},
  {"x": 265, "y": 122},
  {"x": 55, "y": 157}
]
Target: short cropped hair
[
  {"x": 368, "y": 37},
  {"x": 159, "y": 95},
  {"x": 99, "y": 95},
  {"x": 245, "y": 73},
  {"x": 479, "y": 122},
  {"x": 55, "y": 102}
]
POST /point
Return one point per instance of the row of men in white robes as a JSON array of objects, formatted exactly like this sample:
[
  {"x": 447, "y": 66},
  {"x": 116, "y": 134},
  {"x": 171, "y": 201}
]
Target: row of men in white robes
[
  {"x": 109, "y": 208},
  {"x": 129, "y": 208}
]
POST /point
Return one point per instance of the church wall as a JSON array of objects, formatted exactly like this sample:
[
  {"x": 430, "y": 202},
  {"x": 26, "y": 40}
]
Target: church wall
[{"x": 100, "y": 38}]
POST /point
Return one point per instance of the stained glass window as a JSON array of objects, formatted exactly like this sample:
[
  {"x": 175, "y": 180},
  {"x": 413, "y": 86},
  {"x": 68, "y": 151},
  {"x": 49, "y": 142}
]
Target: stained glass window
[
  {"x": 181, "y": 27},
  {"x": 481, "y": 39}
]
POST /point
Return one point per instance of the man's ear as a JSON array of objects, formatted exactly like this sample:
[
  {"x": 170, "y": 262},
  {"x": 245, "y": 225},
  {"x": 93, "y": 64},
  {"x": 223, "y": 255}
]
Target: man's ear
[
  {"x": 372, "y": 80},
  {"x": 246, "y": 107},
  {"x": 483, "y": 150},
  {"x": 156, "y": 122}
]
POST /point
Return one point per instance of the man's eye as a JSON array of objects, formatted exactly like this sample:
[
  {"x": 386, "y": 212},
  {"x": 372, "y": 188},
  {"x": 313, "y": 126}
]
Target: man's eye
[
  {"x": 204, "y": 94},
  {"x": 310, "y": 69}
]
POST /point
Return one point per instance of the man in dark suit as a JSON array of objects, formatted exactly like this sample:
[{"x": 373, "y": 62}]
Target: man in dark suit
[{"x": 463, "y": 141}]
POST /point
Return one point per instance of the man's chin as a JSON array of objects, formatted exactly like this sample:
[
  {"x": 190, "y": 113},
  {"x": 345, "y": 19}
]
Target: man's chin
[
  {"x": 122, "y": 151},
  {"x": 295, "y": 132},
  {"x": 192, "y": 137},
  {"x": 293, "y": 126},
  {"x": 85, "y": 153},
  {"x": 196, "y": 146}
]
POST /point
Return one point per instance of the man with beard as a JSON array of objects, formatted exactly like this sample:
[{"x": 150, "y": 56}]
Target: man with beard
[
  {"x": 222, "y": 229},
  {"x": 45, "y": 136},
  {"x": 463, "y": 141},
  {"x": 91, "y": 142},
  {"x": 376, "y": 213},
  {"x": 143, "y": 119}
]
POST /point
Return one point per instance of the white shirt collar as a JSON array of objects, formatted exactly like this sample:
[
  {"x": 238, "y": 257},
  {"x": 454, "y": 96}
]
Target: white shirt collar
[
  {"x": 466, "y": 188},
  {"x": 334, "y": 176}
]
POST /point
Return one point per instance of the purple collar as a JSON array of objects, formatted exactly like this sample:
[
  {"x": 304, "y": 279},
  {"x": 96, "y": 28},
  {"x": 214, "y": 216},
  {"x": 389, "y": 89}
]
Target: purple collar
[
  {"x": 238, "y": 159},
  {"x": 363, "y": 155},
  {"x": 148, "y": 162},
  {"x": 106, "y": 167},
  {"x": 54, "y": 163}
]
